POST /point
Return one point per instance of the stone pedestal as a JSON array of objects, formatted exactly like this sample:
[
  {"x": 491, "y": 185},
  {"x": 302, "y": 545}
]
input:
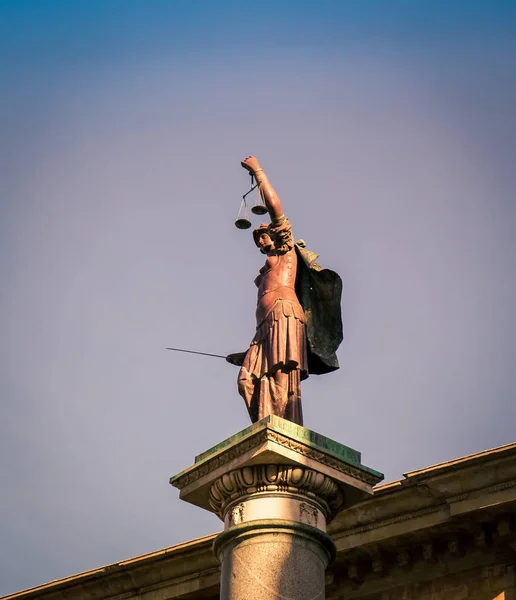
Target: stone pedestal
[{"x": 275, "y": 485}]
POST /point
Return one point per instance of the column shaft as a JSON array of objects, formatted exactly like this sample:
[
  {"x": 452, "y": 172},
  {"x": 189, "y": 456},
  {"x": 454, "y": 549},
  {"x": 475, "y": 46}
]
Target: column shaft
[{"x": 273, "y": 558}]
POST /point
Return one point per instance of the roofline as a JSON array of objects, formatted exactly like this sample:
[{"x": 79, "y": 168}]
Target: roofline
[{"x": 192, "y": 545}]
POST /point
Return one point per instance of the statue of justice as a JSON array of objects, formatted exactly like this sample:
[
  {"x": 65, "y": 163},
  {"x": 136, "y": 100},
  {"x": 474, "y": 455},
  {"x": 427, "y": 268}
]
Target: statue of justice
[{"x": 298, "y": 315}]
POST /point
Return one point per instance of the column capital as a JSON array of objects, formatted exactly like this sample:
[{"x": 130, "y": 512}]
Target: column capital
[
  {"x": 289, "y": 451},
  {"x": 282, "y": 482}
]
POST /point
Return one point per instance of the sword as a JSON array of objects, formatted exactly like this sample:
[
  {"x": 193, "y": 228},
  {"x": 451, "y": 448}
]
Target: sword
[
  {"x": 235, "y": 359},
  {"x": 195, "y": 352}
]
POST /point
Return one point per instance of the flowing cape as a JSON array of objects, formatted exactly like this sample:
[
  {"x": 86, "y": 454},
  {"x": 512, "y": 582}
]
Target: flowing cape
[{"x": 319, "y": 292}]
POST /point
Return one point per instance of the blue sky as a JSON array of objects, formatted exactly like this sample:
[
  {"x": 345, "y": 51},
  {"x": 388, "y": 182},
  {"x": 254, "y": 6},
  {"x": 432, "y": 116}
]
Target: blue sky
[{"x": 388, "y": 130}]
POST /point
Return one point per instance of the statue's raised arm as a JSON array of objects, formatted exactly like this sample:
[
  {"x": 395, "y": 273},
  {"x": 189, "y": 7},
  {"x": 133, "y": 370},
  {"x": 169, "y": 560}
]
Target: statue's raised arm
[{"x": 272, "y": 202}]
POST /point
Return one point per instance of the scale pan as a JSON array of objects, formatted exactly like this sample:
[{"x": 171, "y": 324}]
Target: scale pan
[
  {"x": 243, "y": 223},
  {"x": 259, "y": 209}
]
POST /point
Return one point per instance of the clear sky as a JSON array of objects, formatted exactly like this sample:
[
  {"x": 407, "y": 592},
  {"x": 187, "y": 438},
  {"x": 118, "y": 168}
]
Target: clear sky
[{"x": 388, "y": 129}]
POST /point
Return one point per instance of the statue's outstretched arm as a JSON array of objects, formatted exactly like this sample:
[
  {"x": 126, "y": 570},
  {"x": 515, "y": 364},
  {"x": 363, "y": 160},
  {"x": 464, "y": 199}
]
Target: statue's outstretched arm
[{"x": 272, "y": 202}]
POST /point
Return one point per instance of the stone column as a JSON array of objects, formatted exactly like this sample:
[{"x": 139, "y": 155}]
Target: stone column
[
  {"x": 275, "y": 485},
  {"x": 274, "y": 543}
]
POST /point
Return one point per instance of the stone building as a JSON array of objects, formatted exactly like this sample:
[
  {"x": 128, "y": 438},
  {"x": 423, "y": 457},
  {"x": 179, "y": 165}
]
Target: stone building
[{"x": 447, "y": 532}]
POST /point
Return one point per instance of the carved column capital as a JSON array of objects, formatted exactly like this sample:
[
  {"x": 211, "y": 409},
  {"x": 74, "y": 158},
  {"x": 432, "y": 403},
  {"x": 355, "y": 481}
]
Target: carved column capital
[{"x": 278, "y": 480}]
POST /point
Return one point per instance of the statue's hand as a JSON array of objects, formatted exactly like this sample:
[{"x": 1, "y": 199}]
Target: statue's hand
[
  {"x": 237, "y": 358},
  {"x": 251, "y": 164}
]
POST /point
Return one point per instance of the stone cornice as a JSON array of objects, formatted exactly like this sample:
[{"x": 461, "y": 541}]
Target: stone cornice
[
  {"x": 220, "y": 459},
  {"x": 209, "y": 462},
  {"x": 423, "y": 555},
  {"x": 392, "y": 521},
  {"x": 426, "y": 503},
  {"x": 471, "y": 460},
  {"x": 439, "y": 520},
  {"x": 274, "y": 441},
  {"x": 176, "y": 569},
  {"x": 325, "y": 459},
  {"x": 457, "y": 486}
]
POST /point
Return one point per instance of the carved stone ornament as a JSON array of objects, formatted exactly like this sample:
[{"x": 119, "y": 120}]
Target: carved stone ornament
[
  {"x": 268, "y": 435},
  {"x": 242, "y": 482}
]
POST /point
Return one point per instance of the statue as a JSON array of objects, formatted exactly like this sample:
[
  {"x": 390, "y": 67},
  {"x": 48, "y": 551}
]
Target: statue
[{"x": 298, "y": 319}]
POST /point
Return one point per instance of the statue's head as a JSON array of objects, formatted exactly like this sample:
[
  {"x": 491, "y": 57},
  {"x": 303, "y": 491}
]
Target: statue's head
[{"x": 262, "y": 239}]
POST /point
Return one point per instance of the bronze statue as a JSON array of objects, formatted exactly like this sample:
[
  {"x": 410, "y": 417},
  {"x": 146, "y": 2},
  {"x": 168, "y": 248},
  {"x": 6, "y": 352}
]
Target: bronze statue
[{"x": 298, "y": 321}]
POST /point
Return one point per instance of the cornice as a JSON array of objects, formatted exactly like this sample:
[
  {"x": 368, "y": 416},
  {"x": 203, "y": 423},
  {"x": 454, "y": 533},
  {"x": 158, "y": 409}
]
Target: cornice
[
  {"x": 431, "y": 552},
  {"x": 393, "y": 520},
  {"x": 218, "y": 460},
  {"x": 227, "y": 455},
  {"x": 324, "y": 458},
  {"x": 506, "y": 485},
  {"x": 462, "y": 485},
  {"x": 167, "y": 568}
]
